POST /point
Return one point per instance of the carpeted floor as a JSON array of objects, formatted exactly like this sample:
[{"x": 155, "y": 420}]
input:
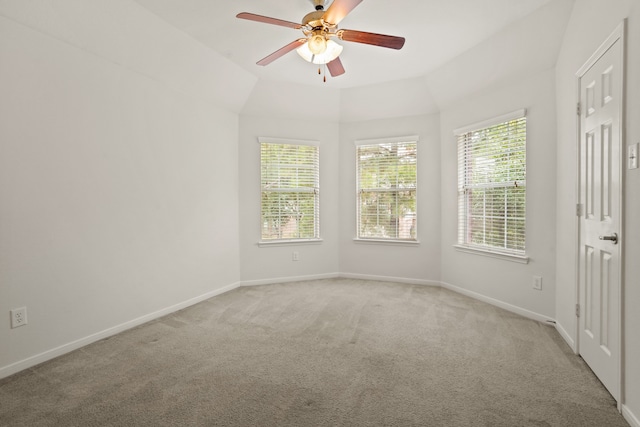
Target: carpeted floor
[{"x": 320, "y": 353}]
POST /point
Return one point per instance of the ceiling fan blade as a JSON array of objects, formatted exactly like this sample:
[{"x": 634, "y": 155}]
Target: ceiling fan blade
[
  {"x": 281, "y": 52},
  {"x": 338, "y": 10},
  {"x": 335, "y": 67},
  {"x": 382, "y": 40},
  {"x": 267, "y": 20}
]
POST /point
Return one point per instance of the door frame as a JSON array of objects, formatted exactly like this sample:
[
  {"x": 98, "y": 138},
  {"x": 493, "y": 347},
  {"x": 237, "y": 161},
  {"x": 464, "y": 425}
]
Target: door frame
[{"x": 618, "y": 35}]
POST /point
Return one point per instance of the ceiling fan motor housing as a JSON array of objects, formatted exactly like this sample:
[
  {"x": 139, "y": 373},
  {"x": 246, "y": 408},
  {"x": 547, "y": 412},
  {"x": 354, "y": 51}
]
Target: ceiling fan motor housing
[{"x": 314, "y": 19}]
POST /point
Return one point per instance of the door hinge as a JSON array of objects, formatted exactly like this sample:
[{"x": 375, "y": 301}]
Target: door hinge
[
  {"x": 577, "y": 310},
  {"x": 578, "y": 109},
  {"x": 579, "y": 209}
]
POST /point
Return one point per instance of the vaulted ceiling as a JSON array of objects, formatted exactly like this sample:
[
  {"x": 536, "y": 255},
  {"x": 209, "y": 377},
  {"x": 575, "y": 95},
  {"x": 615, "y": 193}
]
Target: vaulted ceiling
[
  {"x": 436, "y": 32},
  {"x": 454, "y": 48}
]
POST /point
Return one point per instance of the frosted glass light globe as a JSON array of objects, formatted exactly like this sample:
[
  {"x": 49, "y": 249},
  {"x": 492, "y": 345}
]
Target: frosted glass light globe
[
  {"x": 317, "y": 44},
  {"x": 332, "y": 51}
]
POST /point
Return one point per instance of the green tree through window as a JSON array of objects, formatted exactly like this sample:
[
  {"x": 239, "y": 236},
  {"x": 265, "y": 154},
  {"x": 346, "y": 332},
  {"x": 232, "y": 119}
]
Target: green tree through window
[
  {"x": 387, "y": 181},
  {"x": 290, "y": 191},
  {"x": 492, "y": 187}
]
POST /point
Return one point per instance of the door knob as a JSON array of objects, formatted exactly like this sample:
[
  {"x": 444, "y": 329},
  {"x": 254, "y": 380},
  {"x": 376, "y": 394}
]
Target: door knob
[{"x": 613, "y": 238}]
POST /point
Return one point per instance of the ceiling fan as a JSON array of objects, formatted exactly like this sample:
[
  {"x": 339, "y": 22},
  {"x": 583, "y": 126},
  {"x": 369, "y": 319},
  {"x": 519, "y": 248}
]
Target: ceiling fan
[{"x": 319, "y": 28}]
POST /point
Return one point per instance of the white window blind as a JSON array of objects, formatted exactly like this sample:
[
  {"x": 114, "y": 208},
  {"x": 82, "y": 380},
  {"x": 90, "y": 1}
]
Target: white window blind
[
  {"x": 386, "y": 187},
  {"x": 492, "y": 186},
  {"x": 290, "y": 193}
]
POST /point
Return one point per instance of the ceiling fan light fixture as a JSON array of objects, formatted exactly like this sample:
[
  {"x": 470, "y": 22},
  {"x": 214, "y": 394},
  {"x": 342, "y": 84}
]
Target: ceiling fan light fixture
[
  {"x": 317, "y": 44},
  {"x": 332, "y": 51}
]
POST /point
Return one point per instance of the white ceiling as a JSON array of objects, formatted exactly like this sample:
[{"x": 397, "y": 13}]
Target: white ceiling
[{"x": 436, "y": 32}]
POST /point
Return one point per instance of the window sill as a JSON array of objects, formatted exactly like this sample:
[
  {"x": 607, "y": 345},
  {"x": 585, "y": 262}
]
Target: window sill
[
  {"x": 387, "y": 242},
  {"x": 292, "y": 242},
  {"x": 522, "y": 259}
]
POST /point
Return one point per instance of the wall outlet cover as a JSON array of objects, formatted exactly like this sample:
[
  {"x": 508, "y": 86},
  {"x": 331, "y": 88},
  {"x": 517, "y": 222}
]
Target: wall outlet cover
[
  {"x": 537, "y": 283},
  {"x": 18, "y": 317}
]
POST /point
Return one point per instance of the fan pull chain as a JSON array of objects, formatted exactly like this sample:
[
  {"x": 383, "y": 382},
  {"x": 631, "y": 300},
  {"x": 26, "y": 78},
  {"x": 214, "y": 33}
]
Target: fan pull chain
[{"x": 324, "y": 77}]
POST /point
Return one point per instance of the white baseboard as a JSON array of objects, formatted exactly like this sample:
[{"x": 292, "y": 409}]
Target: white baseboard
[
  {"x": 260, "y": 282},
  {"x": 16, "y": 367},
  {"x": 504, "y": 305},
  {"x": 630, "y": 417},
  {"x": 512, "y": 308},
  {"x": 66, "y": 348},
  {"x": 390, "y": 279},
  {"x": 29, "y": 362},
  {"x": 565, "y": 335}
]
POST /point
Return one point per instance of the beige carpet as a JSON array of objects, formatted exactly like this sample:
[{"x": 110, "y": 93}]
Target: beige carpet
[{"x": 320, "y": 353}]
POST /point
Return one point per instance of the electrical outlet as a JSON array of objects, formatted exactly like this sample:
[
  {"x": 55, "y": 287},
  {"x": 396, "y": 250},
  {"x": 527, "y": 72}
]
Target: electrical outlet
[
  {"x": 296, "y": 256},
  {"x": 537, "y": 283},
  {"x": 18, "y": 317}
]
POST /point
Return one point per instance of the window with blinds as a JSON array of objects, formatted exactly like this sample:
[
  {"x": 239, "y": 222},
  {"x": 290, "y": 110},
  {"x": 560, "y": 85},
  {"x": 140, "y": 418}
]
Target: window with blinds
[
  {"x": 386, "y": 189},
  {"x": 290, "y": 192},
  {"x": 492, "y": 185}
]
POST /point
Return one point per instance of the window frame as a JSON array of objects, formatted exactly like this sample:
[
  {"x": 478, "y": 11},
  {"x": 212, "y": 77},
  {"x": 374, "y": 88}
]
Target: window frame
[
  {"x": 414, "y": 139},
  {"x": 316, "y": 190},
  {"x": 463, "y": 245}
]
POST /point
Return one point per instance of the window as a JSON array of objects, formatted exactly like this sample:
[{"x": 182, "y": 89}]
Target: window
[
  {"x": 386, "y": 186},
  {"x": 290, "y": 190},
  {"x": 492, "y": 185}
]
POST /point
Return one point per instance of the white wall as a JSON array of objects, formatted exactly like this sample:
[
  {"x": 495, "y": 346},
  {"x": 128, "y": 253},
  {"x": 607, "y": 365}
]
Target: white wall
[
  {"x": 591, "y": 23},
  {"x": 522, "y": 49},
  {"x": 414, "y": 263},
  {"x": 502, "y": 280},
  {"x": 128, "y": 35},
  {"x": 287, "y": 101},
  {"x": 110, "y": 210},
  {"x": 265, "y": 264},
  {"x": 388, "y": 100}
]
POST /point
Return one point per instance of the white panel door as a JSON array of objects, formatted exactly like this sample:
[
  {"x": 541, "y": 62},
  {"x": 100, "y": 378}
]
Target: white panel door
[{"x": 600, "y": 214}]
